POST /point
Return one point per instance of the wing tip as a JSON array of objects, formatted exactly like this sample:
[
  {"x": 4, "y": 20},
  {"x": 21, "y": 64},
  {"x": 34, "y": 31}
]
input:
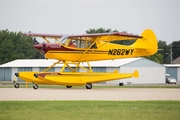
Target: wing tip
[{"x": 136, "y": 74}]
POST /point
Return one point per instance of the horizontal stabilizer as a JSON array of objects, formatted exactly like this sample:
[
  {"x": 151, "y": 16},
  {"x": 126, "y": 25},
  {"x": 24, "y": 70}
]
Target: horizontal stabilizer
[{"x": 136, "y": 74}]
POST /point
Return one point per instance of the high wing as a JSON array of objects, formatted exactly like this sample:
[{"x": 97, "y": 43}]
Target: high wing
[
  {"x": 107, "y": 34},
  {"x": 101, "y": 36},
  {"x": 44, "y": 35},
  {"x": 108, "y": 37}
]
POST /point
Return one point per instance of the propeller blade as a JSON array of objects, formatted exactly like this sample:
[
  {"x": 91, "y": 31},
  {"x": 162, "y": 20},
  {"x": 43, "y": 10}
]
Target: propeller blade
[{"x": 35, "y": 41}]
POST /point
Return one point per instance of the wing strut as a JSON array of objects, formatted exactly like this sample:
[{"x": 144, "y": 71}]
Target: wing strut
[
  {"x": 64, "y": 66},
  {"x": 77, "y": 66},
  {"x": 87, "y": 49},
  {"x": 46, "y": 40},
  {"x": 51, "y": 66}
]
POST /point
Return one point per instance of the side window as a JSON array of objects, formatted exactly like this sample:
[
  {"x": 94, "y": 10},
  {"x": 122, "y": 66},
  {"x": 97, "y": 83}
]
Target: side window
[
  {"x": 80, "y": 43},
  {"x": 94, "y": 46},
  {"x": 72, "y": 43}
]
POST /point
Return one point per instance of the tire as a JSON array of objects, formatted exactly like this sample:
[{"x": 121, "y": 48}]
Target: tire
[
  {"x": 69, "y": 86},
  {"x": 121, "y": 84},
  {"x": 16, "y": 85},
  {"x": 88, "y": 86},
  {"x": 35, "y": 86}
]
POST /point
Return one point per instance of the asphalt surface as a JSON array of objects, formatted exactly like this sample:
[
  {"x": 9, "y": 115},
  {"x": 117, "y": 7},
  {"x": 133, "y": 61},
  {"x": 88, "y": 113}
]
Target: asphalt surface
[{"x": 122, "y": 94}]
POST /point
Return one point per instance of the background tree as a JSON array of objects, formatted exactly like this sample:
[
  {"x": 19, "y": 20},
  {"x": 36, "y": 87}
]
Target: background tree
[
  {"x": 175, "y": 49},
  {"x": 157, "y": 57},
  {"x": 100, "y": 30},
  {"x": 164, "y": 50},
  {"x": 16, "y": 46}
]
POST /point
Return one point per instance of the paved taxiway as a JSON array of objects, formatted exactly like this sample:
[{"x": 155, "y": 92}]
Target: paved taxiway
[{"x": 93, "y": 94}]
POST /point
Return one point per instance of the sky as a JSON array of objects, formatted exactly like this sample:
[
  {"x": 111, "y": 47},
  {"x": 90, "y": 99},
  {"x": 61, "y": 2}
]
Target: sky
[{"x": 77, "y": 16}]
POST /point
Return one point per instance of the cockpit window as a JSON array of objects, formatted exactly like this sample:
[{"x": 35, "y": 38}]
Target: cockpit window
[
  {"x": 63, "y": 39},
  {"x": 78, "y": 42}
]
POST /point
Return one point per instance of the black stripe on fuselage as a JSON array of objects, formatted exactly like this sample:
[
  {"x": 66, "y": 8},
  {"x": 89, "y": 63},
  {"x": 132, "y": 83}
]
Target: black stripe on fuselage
[{"x": 80, "y": 52}]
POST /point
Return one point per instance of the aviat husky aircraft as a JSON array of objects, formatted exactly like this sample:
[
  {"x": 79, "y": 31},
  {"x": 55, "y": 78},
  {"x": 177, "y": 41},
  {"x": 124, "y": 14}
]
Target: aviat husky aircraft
[{"x": 74, "y": 49}]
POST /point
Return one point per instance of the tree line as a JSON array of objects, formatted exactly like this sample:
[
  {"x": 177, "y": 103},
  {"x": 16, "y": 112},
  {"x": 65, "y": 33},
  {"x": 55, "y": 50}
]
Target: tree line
[{"x": 14, "y": 45}]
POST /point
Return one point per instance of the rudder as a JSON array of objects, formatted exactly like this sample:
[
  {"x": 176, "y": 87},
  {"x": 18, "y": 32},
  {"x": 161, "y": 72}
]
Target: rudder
[{"x": 148, "y": 42}]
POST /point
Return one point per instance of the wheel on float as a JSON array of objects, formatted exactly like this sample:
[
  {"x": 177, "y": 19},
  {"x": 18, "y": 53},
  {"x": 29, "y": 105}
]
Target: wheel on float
[
  {"x": 88, "y": 86},
  {"x": 35, "y": 86},
  {"x": 69, "y": 86},
  {"x": 16, "y": 85}
]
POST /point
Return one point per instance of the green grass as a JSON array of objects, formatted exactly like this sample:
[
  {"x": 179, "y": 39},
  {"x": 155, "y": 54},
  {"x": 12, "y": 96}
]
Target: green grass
[{"x": 89, "y": 110}]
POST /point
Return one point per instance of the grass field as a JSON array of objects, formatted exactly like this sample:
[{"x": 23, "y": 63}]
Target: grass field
[{"x": 89, "y": 110}]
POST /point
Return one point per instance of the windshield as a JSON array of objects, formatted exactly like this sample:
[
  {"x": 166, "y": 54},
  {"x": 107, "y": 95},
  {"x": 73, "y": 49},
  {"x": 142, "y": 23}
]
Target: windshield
[
  {"x": 77, "y": 42},
  {"x": 64, "y": 39},
  {"x": 170, "y": 77}
]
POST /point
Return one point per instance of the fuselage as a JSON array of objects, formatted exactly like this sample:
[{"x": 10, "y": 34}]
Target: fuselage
[
  {"x": 93, "y": 47},
  {"x": 101, "y": 52}
]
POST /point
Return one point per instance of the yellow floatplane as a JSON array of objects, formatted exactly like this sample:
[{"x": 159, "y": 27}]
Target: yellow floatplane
[{"x": 75, "y": 49}]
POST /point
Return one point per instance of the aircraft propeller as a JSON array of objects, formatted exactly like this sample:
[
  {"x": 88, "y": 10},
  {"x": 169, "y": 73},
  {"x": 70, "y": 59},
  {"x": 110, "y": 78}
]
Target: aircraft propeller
[
  {"x": 40, "y": 47},
  {"x": 35, "y": 41}
]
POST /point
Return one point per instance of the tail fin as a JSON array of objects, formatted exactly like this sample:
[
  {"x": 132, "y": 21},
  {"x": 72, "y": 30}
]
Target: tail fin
[{"x": 148, "y": 42}]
